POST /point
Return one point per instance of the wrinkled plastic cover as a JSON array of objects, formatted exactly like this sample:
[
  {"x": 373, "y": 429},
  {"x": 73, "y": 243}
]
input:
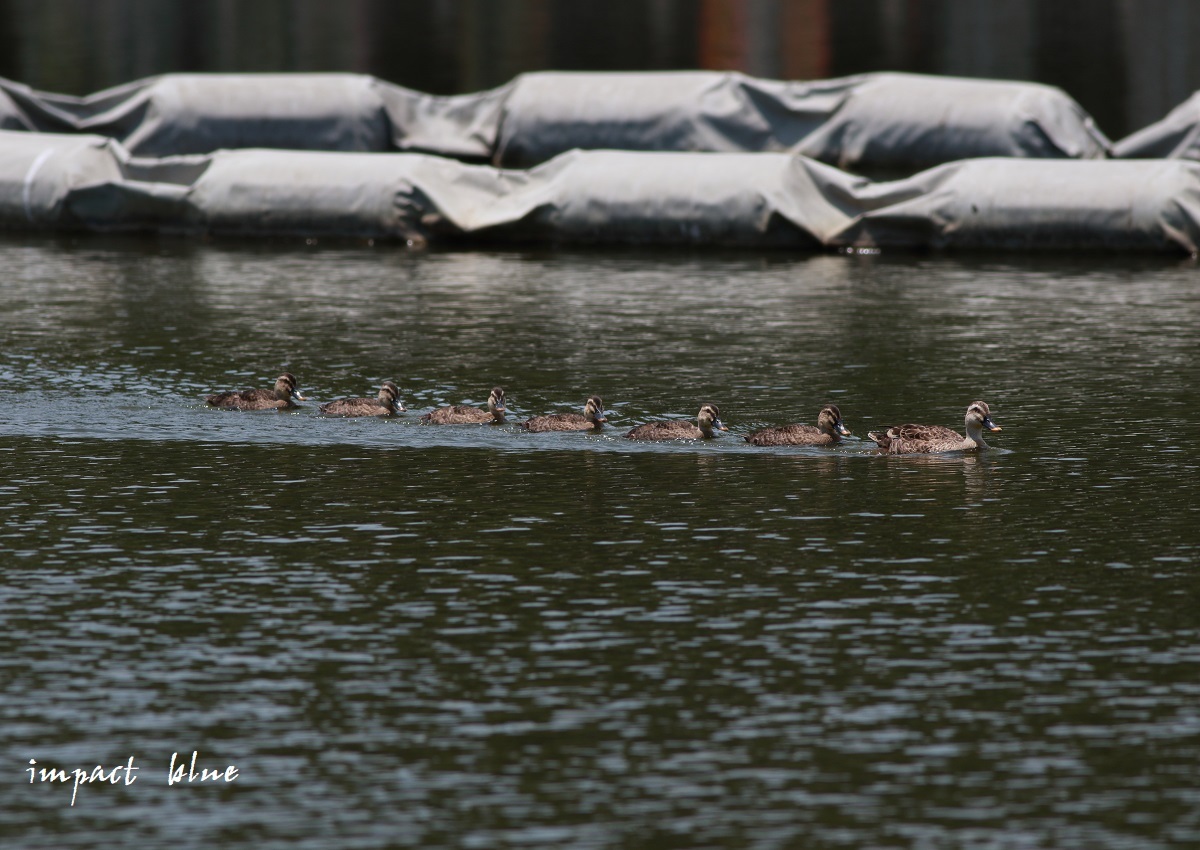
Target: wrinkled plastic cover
[
  {"x": 200, "y": 113},
  {"x": 874, "y": 123},
  {"x": 1176, "y": 136},
  {"x": 771, "y": 200}
]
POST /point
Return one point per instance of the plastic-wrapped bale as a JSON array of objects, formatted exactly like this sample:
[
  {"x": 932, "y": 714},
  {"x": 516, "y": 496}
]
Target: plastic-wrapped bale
[
  {"x": 1175, "y": 136},
  {"x": 40, "y": 175},
  {"x": 872, "y": 123},
  {"x": 625, "y": 197},
  {"x": 199, "y": 113},
  {"x": 304, "y": 193},
  {"x": 619, "y": 197},
  {"x": 580, "y": 197},
  {"x": 549, "y": 113},
  {"x": 1031, "y": 204},
  {"x": 907, "y": 122}
]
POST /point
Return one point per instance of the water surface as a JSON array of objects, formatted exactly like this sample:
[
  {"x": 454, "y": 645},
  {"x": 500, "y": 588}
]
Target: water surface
[{"x": 407, "y": 635}]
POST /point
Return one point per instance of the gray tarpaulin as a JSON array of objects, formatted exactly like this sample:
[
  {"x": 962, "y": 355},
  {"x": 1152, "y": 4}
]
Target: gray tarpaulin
[
  {"x": 753, "y": 200},
  {"x": 201, "y": 113},
  {"x": 873, "y": 123},
  {"x": 39, "y": 173},
  {"x": 1176, "y": 136}
]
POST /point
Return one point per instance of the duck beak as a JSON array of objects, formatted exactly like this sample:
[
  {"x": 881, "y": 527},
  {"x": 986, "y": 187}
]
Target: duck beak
[
  {"x": 719, "y": 425},
  {"x": 843, "y": 430},
  {"x": 501, "y": 409},
  {"x": 990, "y": 425},
  {"x": 400, "y": 408},
  {"x": 296, "y": 395}
]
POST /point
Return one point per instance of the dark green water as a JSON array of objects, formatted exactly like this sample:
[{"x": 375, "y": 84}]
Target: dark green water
[{"x": 411, "y": 636}]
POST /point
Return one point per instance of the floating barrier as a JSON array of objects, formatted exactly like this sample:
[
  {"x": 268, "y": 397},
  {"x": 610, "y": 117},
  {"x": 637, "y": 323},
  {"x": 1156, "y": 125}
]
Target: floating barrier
[{"x": 765, "y": 200}]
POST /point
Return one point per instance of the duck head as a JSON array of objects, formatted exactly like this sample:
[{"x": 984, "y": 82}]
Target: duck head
[
  {"x": 286, "y": 387},
  {"x": 829, "y": 421},
  {"x": 594, "y": 410},
  {"x": 979, "y": 419},
  {"x": 495, "y": 403},
  {"x": 709, "y": 420},
  {"x": 389, "y": 397}
]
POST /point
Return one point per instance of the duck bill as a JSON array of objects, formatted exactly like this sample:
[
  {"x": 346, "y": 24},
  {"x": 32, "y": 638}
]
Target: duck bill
[
  {"x": 990, "y": 425},
  {"x": 296, "y": 395},
  {"x": 843, "y": 430},
  {"x": 718, "y": 425}
]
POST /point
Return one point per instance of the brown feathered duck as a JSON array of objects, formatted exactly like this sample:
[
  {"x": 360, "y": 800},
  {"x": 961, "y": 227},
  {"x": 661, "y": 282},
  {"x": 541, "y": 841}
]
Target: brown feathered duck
[
  {"x": 387, "y": 403},
  {"x": 828, "y": 431},
  {"x": 592, "y": 417},
  {"x": 913, "y": 439},
  {"x": 284, "y": 395},
  {"x": 708, "y": 421},
  {"x": 460, "y": 414}
]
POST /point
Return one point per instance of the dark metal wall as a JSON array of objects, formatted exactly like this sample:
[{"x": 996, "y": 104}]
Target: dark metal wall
[{"x": 1126, "y": 61}]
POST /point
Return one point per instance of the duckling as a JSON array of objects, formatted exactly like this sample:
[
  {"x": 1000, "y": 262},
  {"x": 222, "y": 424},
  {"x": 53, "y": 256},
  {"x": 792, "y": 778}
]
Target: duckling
[
  {"x": 828, "y": 431},
  {"x": 387, "y": 403},
  {"x": 909, "y": 439},
  {"x": 592, "y": 417},
  {"x": 284, "y": 395},
  {"x": 708, "y": 419},
  {"x": 459, "y": 414}
]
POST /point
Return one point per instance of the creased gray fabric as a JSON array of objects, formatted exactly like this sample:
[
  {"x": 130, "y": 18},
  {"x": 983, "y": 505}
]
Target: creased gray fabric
[
  {"x": 40, "y": 173},
  {"x": 200, "y": 113},
  {"x": 769, "y": 200},
  {"x": 1175, "y": 136},
  {"x": 548, "y": 113},
  {"x": 908, "y": 122},
  {"x": 873, "y": 123},
  {"x": 870, "y": 123},
  {"x": 1032, "y": 204}
]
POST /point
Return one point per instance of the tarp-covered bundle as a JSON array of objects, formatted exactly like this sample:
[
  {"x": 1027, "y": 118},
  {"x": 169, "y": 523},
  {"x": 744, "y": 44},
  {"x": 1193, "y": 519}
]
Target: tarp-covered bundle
[
  {"x": 681, "y": 158},
  {"x": 200, "y": 113},
  {"x": 749, "y": 200},
  {"x": 893, "y": 123},
  {"x": 871, "y": 123}
]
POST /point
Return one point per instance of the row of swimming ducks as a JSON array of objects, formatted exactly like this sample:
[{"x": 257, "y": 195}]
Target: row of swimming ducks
[{"x": 829, "y": 430}]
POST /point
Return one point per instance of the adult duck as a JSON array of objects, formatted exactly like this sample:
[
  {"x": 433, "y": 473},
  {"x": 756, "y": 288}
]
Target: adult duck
[{"x": 914, "y": 439}]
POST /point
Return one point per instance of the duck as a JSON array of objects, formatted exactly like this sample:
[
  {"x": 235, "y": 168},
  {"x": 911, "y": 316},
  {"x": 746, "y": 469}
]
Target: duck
[
  {"x": 912, "y": 439},
  {"x": 828, "y": 431},
  {"x": 591, "y": 418},
  {"x": 459, "y": 414},
  {"x": 284, "y": 395},
  {"x": 387, "y": 403},
  {"x": 708, "y": 421}
]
